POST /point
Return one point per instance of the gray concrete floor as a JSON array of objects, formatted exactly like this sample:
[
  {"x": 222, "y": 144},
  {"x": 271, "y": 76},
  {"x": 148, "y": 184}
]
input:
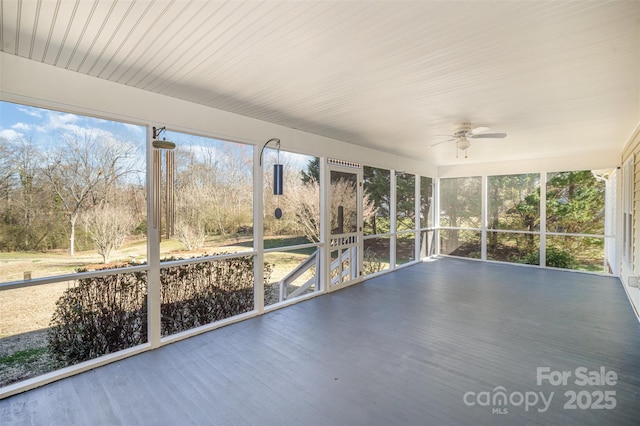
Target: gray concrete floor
[{"x": 415, "y": 347}]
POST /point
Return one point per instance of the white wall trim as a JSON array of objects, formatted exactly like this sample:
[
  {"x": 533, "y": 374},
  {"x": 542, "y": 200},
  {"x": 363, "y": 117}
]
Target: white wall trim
[
  {"x": 33, "y": 83},
  {"x": 585, "y": 161}
]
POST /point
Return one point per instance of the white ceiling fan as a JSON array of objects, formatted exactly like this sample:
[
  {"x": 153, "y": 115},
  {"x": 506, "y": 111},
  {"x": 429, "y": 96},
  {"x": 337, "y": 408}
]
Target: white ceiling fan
[{"x": 466, "y": 131}]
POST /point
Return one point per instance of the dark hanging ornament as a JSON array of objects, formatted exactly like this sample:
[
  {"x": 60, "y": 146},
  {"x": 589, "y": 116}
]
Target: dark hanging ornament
[
  {"x": 278, "y": 176},
  {"x": 277, "y": 179}
]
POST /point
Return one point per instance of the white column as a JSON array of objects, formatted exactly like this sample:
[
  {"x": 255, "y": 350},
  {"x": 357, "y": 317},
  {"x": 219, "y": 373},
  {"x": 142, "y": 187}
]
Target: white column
[
  {"x": 436, "y": 213},
  {"x": 258, "y": 230},
  {"x": 153, "y": 253},
  {"x": 418, "y": 224},
  {"x": 392, "y": 220},
  {"x": 325, "y": 223},
  {"x": 483, "y": 217},
  {"x": 543, "y": 218}
]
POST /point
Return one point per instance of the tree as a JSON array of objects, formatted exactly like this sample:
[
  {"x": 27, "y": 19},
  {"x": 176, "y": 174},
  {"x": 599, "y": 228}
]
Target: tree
[
  {"x": 289, "y": 223},
  {"x": 377, "y": 186},
  {"x": 304, "y": 203},
  {"x": 33, "y": 207},
  {"x": 108, "y": 227},
  {"x": 191, "y": 205},
  {"x": 460, "y": 207},
  {"x": 514, "y": 204},
  {"x": 426, "y": 202},
  {"x": 83, "y": 172},
  {"x": 307, "y": 205},
  {"x": 460, "y": 202},
  {"x": 405, "y": 201},
  {"x": 313, "y": 171},
  {"x": 575, "y": 203},
  {"x": 6, "y": 171}
]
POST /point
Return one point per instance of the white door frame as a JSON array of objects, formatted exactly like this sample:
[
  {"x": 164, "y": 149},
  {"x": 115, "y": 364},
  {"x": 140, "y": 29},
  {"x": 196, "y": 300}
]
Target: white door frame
[{"x": 347, "y": 244}]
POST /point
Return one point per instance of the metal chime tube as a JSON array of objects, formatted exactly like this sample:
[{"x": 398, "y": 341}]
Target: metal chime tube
[
  {"x": 278, "y": 177},
  {"x": 170, "y": 193},
  {"x": 157, "y": 179}
]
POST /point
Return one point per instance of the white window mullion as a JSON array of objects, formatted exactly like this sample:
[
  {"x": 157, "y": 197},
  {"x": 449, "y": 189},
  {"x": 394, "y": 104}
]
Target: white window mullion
[
  {"x": 483, "y": 217},
  {"x": 325, "y": 226},
  {"x": 392, "y": 220},
  {"x": 543, "y": 219},
  {"x": 436, "y": 214},
  {"x": 258, "y": 230},
  {"x": 418, "y": 224},
  {"x": 154, "y": 288}
]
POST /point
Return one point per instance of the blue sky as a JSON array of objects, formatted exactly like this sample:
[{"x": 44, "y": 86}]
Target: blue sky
[{"x": 47, "y": 128}]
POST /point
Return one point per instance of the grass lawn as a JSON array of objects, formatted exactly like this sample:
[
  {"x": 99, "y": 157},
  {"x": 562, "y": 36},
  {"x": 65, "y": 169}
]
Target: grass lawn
[{"x": 30, "y": 308}]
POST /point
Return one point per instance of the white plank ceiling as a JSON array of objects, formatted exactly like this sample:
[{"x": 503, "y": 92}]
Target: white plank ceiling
[{"x": 559, "y": 77}]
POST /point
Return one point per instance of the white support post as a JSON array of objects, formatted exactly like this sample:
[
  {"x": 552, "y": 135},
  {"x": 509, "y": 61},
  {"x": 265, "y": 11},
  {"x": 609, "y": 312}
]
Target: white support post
[
  {"x": 543, "y": 219},
  {"x": 483, "y": 216},
  {"x": 618, "y": 221},
  {"x": 436, "y": 214},
  {"x": 258, "y": 231},
  {"x": 154, "y": 286},
  {"x": 354, "y": 262},
  {"x": 358, "y": 270},
  {"x": 418, "y": 224},
  {"x": 392, "y": 221},
  {"x": 325, "y": 223}
]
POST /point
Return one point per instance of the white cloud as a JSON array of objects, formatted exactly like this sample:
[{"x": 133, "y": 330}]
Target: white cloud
[
  {"x": 21, "y": 126},
  {"x": 33, "y": 112},
  {"x": 65, "y": 124},
  {"x": 58, "y": 120},
  {"x": 133, "y": 128},
  {"x": 9, "y": 134}
]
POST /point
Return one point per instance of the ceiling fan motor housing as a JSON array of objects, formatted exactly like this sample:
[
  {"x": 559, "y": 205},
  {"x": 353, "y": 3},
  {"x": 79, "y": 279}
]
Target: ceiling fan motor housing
[{"x": 462, "y": 130}]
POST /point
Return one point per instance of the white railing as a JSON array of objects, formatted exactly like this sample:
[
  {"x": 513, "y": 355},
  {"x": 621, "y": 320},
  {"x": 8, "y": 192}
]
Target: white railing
[
  {"x": 311, "y": 261},
  {"x": 349, "y": 256}
]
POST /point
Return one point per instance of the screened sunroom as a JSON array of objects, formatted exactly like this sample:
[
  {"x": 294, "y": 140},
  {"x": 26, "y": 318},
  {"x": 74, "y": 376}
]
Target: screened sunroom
[{"x": 319, "y": 212}]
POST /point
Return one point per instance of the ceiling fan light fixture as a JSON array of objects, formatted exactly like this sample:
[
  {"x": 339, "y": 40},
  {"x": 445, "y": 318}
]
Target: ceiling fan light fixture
[
  {"x": 462, "y": 134},
  {"x": 463, "y": 144}
]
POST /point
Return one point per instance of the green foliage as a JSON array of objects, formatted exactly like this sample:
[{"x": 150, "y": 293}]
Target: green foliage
[
  {"x": 25, "y": 364},
  {"x": 514, "y": 202},
  {"x": 426, "y": 200},
  {"x": 575, "y": 203},
  {"x": 313, "y": 171},
  {"x": 405, "y": 201},
  {"x": 377, "y": 186},
  {"x": 23, "y": 357},
  {"x": 555, "y": 257},
  {"x": 460, "y": 202}
]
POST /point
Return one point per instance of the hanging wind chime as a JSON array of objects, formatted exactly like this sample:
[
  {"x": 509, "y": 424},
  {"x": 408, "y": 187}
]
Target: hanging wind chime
[
  {"x": 278, "y": 176},
  {"x": 169, "y": 193}
]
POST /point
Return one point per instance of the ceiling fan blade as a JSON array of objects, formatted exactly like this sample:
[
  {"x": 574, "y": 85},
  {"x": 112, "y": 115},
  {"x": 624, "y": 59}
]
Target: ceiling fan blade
[
  {"x": 489, "y": 136},
  {"x": 441, "y": 142},
  {"x": 478, "y": 130}
]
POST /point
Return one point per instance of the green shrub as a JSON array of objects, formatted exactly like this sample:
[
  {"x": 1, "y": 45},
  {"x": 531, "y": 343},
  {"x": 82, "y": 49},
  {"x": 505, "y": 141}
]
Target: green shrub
[
  {"x": 108, "y": 313},
  {"x": 371, "y": 262},
  {"x": 555, "y": 257},
  {"x": 201, "y": 293},
  {"x": 98, "y": 316}
]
